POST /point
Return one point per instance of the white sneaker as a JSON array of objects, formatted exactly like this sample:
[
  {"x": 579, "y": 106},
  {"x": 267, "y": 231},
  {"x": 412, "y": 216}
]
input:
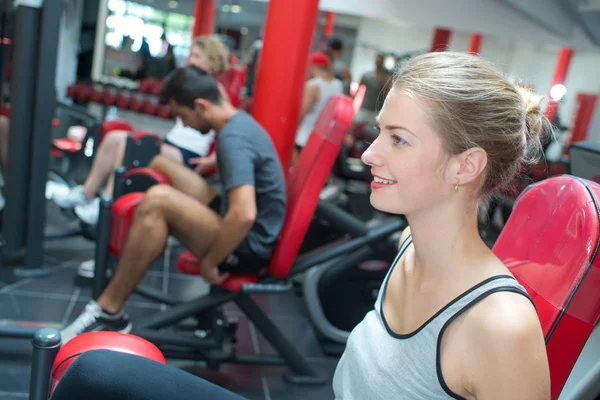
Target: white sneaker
[
  {"x": 87, "y": 269},
  {"x": 73, "y": 198},
  {"x": 94, "y": 318},
  {"x": 89, "y": 212}
]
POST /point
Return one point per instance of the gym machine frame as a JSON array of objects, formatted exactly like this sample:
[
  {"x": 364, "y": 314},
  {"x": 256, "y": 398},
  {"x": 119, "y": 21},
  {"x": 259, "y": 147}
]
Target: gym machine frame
[{"x": 34, "y": 70}]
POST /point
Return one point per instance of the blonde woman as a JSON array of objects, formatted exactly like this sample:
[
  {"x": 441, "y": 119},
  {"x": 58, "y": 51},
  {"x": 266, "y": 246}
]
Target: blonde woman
[{"x": 182, "y": 144}]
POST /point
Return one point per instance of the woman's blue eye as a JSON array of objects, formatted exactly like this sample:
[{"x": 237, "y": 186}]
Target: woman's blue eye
[{"x": 398, "y": 140}]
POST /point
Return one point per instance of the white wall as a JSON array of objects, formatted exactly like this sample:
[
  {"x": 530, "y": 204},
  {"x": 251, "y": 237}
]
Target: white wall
[
  {"x": 521, "y": 61},
  {"x": 68, "y": 46}
]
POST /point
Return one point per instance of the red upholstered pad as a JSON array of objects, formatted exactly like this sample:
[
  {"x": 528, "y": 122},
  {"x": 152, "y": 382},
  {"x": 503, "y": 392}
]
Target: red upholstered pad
[
  {"x": 550, "y": 244},
  {"x": 153, "y": 174},
  {"x": 113, "y": 341},
  {"x": 307, "y": 179},
  {"x": 122, "y": 213},
  {"x": 108, "y": 126},
  {"x": 67, "y": 145},
  {"x": 189, "y": 264}
]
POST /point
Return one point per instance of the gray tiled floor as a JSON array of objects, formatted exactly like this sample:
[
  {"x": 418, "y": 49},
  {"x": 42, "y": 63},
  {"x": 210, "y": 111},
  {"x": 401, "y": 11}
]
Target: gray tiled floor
[{"x": 57, "y": 299}]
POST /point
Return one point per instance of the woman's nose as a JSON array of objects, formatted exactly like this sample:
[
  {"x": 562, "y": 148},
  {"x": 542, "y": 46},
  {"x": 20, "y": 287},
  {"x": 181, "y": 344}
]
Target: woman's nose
[{"x": 370, "y": 156}]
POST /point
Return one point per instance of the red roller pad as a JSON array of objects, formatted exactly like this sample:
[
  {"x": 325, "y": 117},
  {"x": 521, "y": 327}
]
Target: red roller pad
[
  {"x": 159, "y": 177},
  {"x": 113, "y": 341},
  {"x": 67, "y": 145},
  {"x": 122, "y": 214},
  {"x": 108, "y": 126},
  {"x": 189, "y": 264}
]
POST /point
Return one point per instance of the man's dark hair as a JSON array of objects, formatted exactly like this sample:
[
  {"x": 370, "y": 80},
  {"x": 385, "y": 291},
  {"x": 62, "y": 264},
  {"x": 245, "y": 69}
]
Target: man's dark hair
[
  {"x": 335, "y": 44},
  {"x": 186, "y": 84}
]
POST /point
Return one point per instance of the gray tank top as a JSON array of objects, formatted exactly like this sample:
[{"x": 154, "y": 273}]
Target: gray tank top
[{"x": 380, "y": 364}]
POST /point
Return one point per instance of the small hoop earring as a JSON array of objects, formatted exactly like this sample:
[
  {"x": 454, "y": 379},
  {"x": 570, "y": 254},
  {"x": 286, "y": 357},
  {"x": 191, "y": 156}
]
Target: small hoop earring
[{"x": 456, "y": 187}]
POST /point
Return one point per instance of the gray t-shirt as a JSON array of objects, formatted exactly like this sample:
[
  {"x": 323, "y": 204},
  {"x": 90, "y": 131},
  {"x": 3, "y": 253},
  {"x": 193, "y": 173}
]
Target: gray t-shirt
[{"x": 246, "y": 156}]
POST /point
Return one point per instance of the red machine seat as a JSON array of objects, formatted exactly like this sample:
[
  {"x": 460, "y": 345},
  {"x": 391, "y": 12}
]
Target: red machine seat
[
  {"x": 550, "y": 245},
  {"x": 303, "y": 187},
  {"x": 189, "y": 264},
  {"x": 67, "y": 145},
  {"x": 113, "y": 341}
]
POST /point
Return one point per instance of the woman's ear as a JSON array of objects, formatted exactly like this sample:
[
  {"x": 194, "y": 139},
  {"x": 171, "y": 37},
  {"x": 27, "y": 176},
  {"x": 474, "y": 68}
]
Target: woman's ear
[{"x": 472, "y": 163}]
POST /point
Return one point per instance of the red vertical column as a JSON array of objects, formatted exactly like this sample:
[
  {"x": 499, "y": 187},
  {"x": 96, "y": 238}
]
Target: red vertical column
[
  {"x": 560, "y": 74},
  {"x": 329, "y": 23},
  {"x": 204, "y": 17},
  {"x": 584, "y": 111},
  {"x": 474, "y": 43},
  {"x": 288, "y": 33},
  {"x": 441, "y": 39}
]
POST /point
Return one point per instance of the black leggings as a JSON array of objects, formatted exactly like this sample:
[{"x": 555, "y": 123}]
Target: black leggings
[{"x": 109, "y": 375}]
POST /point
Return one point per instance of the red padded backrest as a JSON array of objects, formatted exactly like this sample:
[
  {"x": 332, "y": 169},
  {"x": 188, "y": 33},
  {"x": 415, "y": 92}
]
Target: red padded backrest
[
  {"x": 550, "y": 244},
  {"x": 307, "y": 179},
  {"x": 233, "y": 81}
]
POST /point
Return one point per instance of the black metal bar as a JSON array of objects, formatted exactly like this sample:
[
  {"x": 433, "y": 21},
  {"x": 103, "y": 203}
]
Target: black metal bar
[
  {"x": 102, "y": 255},
  {"x": 3, "y": 34},
  {"x": 182, "y": 311},
  {"x": 156, "y": 295},
  {"x": 129, "y": 152},
  {"x": 18, "y": 332},
  {"x": 25, "y": 62},
  {"x": 46, "y": 344},
  {"x": 44, "y": 102},
  {"x": 174, "y": 339},
  {"x": 119, "y": 182},
  {"x": 280, "y": 343},
  {"x": 341, "y": 220},
  {"x": 319, "y": 257}
]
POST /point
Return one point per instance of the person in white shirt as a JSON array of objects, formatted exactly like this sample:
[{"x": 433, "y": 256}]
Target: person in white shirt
[
  {"x": 318, "y": 89},
  {"x": 182, "y": 144}
]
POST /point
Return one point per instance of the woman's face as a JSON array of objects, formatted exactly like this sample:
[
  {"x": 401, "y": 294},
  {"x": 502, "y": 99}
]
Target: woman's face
[
  {"x": 407, "y": 159},
  {"x": 199, "y": 59}
]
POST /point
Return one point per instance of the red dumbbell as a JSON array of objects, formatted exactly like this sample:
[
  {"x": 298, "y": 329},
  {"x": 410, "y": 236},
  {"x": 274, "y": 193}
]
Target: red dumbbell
[{"x": 149, "y": 106}]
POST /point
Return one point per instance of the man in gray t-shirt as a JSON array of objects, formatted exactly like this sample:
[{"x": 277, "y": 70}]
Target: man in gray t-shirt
[
  {"x": 246, "y": 156},
  {"x": 253, "y": 202}
]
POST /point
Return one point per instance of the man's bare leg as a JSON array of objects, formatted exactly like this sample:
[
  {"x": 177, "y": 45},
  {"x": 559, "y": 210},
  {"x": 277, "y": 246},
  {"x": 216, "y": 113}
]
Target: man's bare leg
[
  {"x": 110, "y": 154},
  {"x": 184, "y": 179},
  {"x": 163, "y": 209}
]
